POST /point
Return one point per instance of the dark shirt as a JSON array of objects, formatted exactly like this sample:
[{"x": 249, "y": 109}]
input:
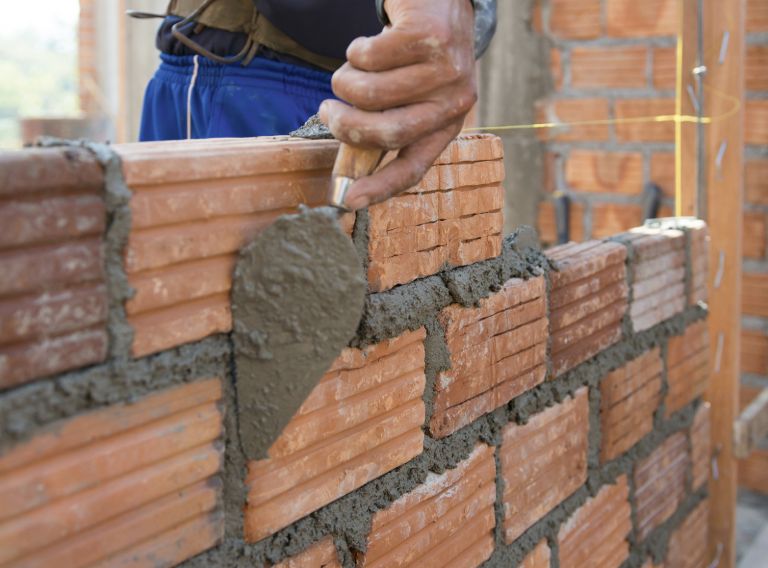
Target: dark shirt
[{"x": 325, "y": 27}]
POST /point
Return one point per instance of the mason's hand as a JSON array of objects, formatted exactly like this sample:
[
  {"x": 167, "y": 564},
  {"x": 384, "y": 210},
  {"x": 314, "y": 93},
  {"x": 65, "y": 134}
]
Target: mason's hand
[{"x": 409, "y": 88}]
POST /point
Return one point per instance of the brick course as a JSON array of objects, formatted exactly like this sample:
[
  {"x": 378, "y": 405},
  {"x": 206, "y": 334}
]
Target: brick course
[
  {"x": 362, "y": 420},
  {"x": 498, "y": 351},
  {"x": 629, "y": 398},
  {"x": 543, "y": 462}
]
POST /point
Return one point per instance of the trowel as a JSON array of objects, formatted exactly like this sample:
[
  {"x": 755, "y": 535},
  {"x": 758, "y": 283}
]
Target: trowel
[{"x": 297, "y": 299}]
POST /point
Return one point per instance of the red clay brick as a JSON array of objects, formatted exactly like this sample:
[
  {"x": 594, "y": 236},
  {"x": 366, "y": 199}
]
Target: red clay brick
[
  {"x": 757, "y": 16},
  {"x": 627, "y": 18},
  {"x": 597, "y": 532},
  {"x": 539, "y": 558},
  {"x": 689, "y": 543},
  {"x": 49, "y": 171},
  {"x": 126, "y": 482},
  {"x": 699, "y": 246},
  {"x": 447, "y": 519},
  {"x": 454, "y": 217},
  {"x": 688, "y": 364},
  {"x": 629, "y": 399},
  {"x": 556, "y": 67},
  {"x": 571, "y": 19},
  {"x": 604, "y": 172},
  {"x": 589, "y": 300},
  {"x": 754, "y": 234},
  {"x": 498, "y": 351},
  {"x": 659, "y": 276},
  {"x": 700, "y": 445},
  {"x": 756, "y": 68},
  {"x": 566, "y": 111},
  {"x": 665, "y": 67},
  {"x": 543, "y": 462},
  {"x": 645, "y": 131},
  {"x": 608, "y": 67},
  {"x": 756, "y": 122},
  {"x": 754, "y": 352},
  {"x": 320, "y": 555},
  {"x": 547, "y": 224},
  {"x": 756, "y": 181},
  {"x": 660, "y": 483},
  {"x": 362, "y": 420},
  {"x": 754, "y": 298}
]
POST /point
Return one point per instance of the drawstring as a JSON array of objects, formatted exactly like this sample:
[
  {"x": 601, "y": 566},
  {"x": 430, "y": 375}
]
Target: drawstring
[{"x": 189, "y": 95}]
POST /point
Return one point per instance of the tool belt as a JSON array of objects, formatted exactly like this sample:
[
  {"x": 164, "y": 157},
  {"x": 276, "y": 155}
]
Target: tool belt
[{"x": 239, "y": 16}]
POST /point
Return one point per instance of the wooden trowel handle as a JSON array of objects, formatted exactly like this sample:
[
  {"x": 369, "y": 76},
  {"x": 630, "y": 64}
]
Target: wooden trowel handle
[{"x": 352, "y": 163}]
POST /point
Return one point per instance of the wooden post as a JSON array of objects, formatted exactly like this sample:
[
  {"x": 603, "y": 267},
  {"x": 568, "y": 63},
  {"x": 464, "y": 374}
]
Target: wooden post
[{"x": 724, "y": 91}]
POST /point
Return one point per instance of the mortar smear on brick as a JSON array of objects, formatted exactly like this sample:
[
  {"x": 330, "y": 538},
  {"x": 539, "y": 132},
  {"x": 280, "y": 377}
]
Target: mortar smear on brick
[
  {"x": 498, "y": 351},
  {"x": 362, "y": 420},
  {"x": 137, "y": 481}
]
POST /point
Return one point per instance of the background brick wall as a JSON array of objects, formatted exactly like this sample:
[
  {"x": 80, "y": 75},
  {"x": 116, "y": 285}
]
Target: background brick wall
[{"x": 501, "y": 407}]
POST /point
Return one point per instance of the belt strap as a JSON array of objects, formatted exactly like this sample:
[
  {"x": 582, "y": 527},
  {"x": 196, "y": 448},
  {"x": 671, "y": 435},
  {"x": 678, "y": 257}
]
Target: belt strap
[{"x": 241, "y": 16}]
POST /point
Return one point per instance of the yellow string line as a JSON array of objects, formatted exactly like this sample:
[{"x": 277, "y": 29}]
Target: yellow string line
[{"x": 678, "y": 118}]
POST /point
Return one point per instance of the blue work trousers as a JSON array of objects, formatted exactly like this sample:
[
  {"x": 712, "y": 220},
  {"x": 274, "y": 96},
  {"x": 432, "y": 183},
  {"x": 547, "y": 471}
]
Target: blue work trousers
[{"x": 193, "y": 97}]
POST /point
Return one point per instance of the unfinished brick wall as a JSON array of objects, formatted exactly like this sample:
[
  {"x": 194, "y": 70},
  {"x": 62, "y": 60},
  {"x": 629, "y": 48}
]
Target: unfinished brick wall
[
  {"x": 754, "y": 335},
  {"x": 609, "y": 59},
  {"x": 499, "y": 407}
]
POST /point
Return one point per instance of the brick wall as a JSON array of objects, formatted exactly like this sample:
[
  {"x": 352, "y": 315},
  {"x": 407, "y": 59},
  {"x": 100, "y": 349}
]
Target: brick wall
[
  {"x": 610, "y": 59},
  {"x": 754, "y": 335},
  {"x": 498, "y": 406}
]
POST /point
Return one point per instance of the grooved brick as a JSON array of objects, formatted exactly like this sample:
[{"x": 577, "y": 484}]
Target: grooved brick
[
  {"x": 604, "y": 172},
  {"x": 567, "y": 111},
  {"x": 756, "y": 181},
  {"x": 447, "y": 520},
  {"x": 659, "y": 276},
  {"x": 756, "y": 122},
  {"x": 320, "y": 555},
  {"x": 596, "y": 534},
  {"x": 589, "y": 300},
  {"x": 700, "y": 446},
  {"x": 539, "y": 558},
  {"x": 575, "y": 20},
  {"x": 362, "y": 420},
  {"x": 611, "y": 67},
  {"x": 756, "y": 68},
  {"x": 53, "y": 301},
  {"x": 627, "y": 18},
  {"x": 130, "y": 484},
  {"x": 688, "y": 365},
  {"x": 754, "y": 352},
  {"x": 452, "y": 217},
  {"x": 664, "y": 67},
  {"x": 629, "y": 399},
  {"x": 689, "y": 543},
  {"x": 660, "y": 483},
  {"x": 647, "y": 130},
  {"x": 543, "y": 462},
  {"x": 754, "y": 298},
  {"x": 754, "y": 235},
  {"x": 498, "y": 351}
]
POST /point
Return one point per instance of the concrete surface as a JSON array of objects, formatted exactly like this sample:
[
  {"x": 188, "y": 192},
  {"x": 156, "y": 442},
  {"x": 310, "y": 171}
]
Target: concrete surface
[{"x": 752, "y": 530}]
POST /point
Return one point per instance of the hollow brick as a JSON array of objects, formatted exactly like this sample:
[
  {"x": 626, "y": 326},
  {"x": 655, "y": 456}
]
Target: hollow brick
[
  {"x": 543, "y": 462},
  {"x": 688, "y": 366}
]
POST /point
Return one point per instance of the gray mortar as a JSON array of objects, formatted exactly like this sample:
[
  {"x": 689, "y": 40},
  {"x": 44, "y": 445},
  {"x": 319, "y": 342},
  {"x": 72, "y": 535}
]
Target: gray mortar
[
  {"x": 437, "y": 358},
  {"x": 29, "y": 409},
  {"x": 313, "y": 129},
  {"x": 297, "y": 298}
]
